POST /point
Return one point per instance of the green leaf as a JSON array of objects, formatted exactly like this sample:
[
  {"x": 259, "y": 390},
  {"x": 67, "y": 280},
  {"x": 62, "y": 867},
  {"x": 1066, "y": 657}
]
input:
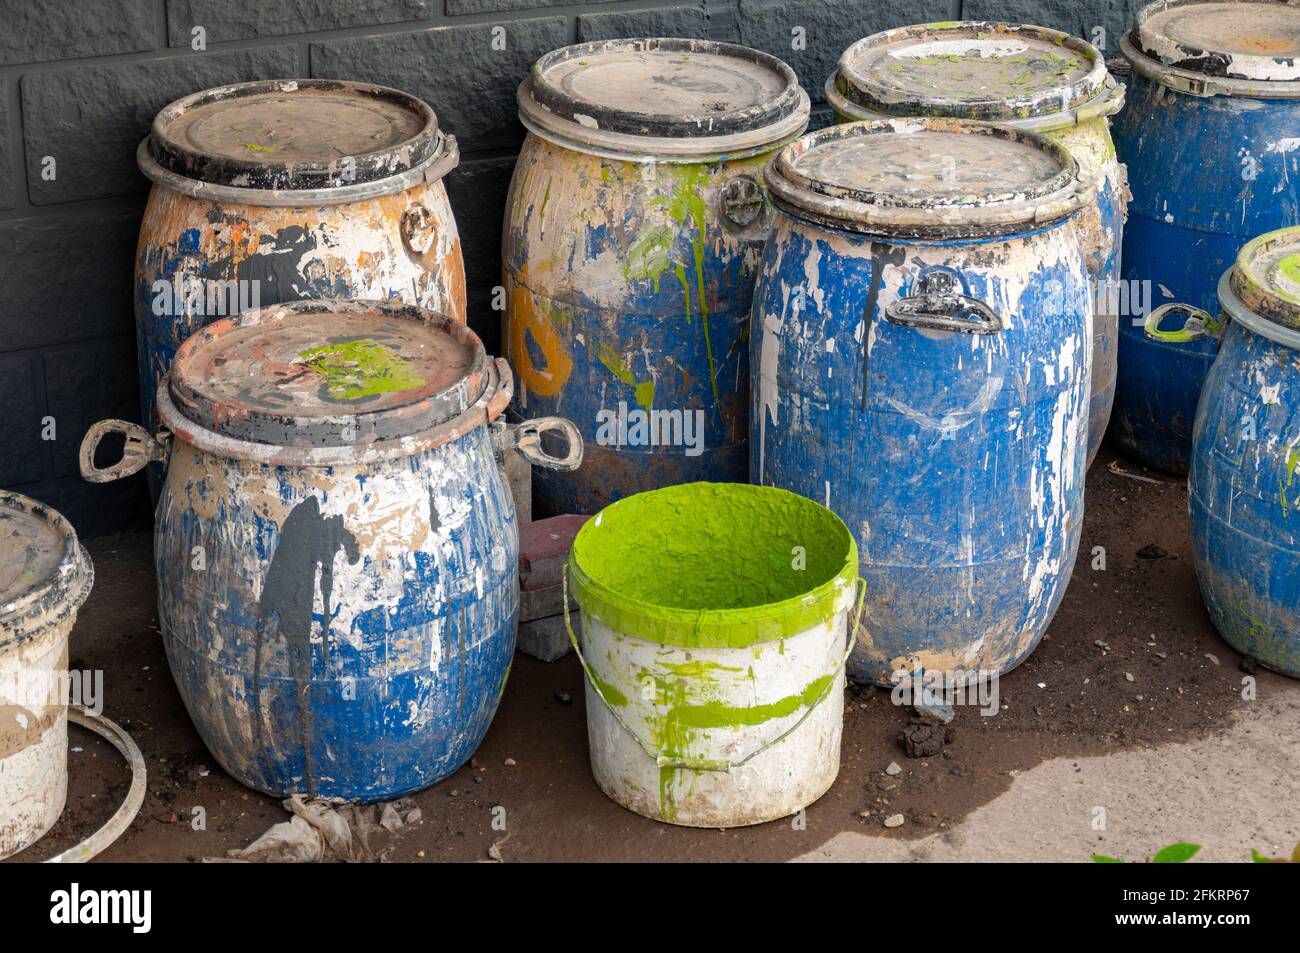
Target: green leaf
[
  {"x": 1103, "y": 859},
  {"x": 1259, "y": 858},
  {"x": 1176, "y": 854}
]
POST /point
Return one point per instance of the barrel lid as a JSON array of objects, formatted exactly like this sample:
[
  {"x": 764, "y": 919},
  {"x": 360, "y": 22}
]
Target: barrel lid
[
  {"x": 1266, "y": 277},
  {"x": 328, "y": 374},
  {"x": 926, "y": 178},
  {"x": 44, "y": 572},
  {"x": 1240, "y": 39},
  {"x": 663, "y": 95},
  {"x": 294, "y": 134},
  {"x": 972, "y": 70}
]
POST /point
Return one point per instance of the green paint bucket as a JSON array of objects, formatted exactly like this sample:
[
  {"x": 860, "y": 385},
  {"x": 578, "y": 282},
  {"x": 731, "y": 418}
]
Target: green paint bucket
[{"x": 715, "y": 631}]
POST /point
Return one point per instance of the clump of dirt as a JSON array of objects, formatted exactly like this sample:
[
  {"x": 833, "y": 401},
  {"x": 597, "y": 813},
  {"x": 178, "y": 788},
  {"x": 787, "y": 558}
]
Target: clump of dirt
[{"x": 925, "y": 739}]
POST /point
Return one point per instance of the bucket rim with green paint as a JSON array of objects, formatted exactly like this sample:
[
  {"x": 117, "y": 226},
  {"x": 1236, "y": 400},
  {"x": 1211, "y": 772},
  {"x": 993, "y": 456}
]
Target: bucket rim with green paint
[{"x": 736, "y": 530}]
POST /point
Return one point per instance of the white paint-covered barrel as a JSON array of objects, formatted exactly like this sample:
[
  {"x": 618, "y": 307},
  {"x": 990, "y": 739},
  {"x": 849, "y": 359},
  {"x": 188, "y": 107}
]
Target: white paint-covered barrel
[
  {"x": 714, "y": 637},
  {"x": 45, "y": 576}
]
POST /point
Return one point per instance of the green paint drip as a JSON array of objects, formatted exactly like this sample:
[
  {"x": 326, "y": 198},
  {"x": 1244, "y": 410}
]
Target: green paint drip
[
  {"x": 717, "y": 715},
  {"x": 680, "y": 272},
  {"x": 1292, "y": 462},
  {"x": 667, "y": 803},
  {"x": 607, "y": 691},
  {"x": 688, "y": 204},
  {"x": 699, "y": 668},
  {"x": 364, "y": 368},
  {"x": 650, "y": 257},
  {"x": 643, "y": 391}
]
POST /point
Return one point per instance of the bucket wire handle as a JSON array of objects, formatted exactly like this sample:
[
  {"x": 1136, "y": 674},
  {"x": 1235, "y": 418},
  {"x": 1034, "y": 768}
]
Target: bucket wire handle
[
  {"x": 707, "y": 764},
  {"x": 1199, "y": 324},
  {"x": 116, "y": 825},
  {"x": 139, "y": 450}
]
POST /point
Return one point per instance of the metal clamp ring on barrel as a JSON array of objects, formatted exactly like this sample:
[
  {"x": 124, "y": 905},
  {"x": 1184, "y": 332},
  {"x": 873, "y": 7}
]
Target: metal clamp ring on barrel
[
  {"x": 1199, "y": 324},
  {"x": 707, "y": 764},
  {"x": 418, "y": 228},
  {"x": 742, "y": 201},
  {"x": 417, "y": 224},
  {"x": 939, "y": 306},
  {"x": 139, "y": 450}
]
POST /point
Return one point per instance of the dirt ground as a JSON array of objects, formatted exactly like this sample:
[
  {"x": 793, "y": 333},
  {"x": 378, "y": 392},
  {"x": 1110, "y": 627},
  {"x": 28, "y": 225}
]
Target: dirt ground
[{"x": 1132, "y": 701}]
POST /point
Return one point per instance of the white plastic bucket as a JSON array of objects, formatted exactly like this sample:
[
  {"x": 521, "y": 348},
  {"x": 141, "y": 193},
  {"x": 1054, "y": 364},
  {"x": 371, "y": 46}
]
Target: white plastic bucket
[
  {"x": 45, "y": 576},
  {"x": 714, "y": 621}
]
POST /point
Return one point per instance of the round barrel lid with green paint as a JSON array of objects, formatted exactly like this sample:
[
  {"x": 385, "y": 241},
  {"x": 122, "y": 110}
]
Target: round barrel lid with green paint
[
  {"x": 926, "y": 178},
  {"x": 295, "y": 134},
  {"x": 44, "y": 572},
  {"x": 1242, "y": 39},
  {"x": 328, "y": 373},
  {"x": 1266, "y": 277},
  {"x": 663, "y": 95},
  {"x": 972, "y": 70}
]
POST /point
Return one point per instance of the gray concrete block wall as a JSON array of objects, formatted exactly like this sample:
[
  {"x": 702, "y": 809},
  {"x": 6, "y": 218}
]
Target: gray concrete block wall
[{"x": 80, "y": 83}]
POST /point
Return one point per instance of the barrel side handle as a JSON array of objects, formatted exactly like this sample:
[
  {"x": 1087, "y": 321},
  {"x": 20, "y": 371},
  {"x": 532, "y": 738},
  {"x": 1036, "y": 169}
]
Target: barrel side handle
[
  {"x": 526, "y": 438},
  {"x": 939, "y": 305},
  {"x": 139, "y": 450},
  {"x": 1199, "y": 324}
]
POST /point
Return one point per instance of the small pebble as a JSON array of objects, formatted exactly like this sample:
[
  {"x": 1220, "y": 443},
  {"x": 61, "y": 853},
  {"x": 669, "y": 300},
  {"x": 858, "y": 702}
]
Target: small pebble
[
  {"x": 895, "y": 820},
  {"x": 509, "y": 762},
  {"x": 1128, "y": 676},
  {"x": 893, "y": 769}
]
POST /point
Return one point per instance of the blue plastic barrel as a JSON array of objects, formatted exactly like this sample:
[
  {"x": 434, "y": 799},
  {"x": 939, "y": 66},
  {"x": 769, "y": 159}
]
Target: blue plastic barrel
[
  {"x": 336, "y": 549},
  {"x": 1245, "y": 474},
  {"x": 920, "y": 349},
  {"x": 1211, "y": 138},
  {"x": 1023, "y": 76}
]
